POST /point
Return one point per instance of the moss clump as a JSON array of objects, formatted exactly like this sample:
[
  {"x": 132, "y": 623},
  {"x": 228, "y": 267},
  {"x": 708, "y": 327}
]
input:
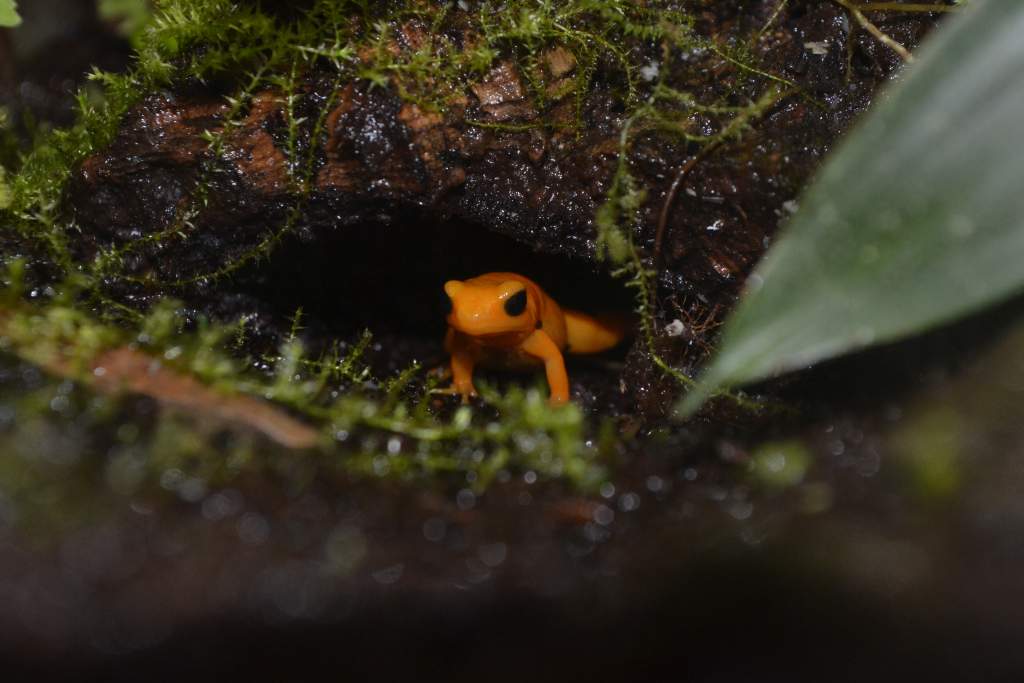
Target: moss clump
[{"x": 366, "y": 425}]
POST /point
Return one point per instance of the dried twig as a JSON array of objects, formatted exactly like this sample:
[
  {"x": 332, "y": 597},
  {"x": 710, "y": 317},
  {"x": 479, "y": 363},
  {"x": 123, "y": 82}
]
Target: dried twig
[
  {"x": 670, "y": 197},
  {"x": 771, "y": 19},
  {"x": 124, "y": 369}
]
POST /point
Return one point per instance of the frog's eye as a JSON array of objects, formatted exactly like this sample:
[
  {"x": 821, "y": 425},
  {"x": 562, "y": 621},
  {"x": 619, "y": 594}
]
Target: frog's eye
[{"x": 516, "y": 304}]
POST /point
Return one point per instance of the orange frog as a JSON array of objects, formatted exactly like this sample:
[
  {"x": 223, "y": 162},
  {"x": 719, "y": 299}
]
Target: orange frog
[{"x": 506, "y": 320}]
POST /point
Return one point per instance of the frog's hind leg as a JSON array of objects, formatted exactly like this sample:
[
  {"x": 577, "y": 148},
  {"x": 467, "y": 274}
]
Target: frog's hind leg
[{"x": 593, "y": 333}]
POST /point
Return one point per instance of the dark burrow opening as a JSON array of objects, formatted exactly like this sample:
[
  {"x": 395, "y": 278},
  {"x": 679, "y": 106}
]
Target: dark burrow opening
[{"x": 388, "y": 277}]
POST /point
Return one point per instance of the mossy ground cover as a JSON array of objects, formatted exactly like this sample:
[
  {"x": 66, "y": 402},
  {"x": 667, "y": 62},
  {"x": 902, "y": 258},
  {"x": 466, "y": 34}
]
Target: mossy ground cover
[{"x": 59, "y": 311}]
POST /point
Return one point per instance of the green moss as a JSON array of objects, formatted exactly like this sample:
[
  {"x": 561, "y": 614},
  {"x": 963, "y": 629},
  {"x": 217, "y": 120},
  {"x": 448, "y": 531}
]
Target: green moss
[
  {"x": 381, "y": 426},
  {"x": 376, "y": 426}
]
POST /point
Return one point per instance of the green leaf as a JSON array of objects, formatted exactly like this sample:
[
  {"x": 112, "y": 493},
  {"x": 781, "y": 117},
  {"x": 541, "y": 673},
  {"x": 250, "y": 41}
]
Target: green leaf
[
  {"x": 917, "y": 220},
  {"x": 9, "y": 13}
]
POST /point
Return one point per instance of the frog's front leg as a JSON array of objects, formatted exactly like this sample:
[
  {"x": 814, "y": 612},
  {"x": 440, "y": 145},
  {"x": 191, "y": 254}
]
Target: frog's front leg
[
  {"x": 540, "y": 345},
  {"x": 464, "y": 356}
]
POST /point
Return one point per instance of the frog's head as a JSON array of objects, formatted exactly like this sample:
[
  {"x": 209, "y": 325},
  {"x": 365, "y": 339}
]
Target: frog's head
[{"x": 479, "y": 308}]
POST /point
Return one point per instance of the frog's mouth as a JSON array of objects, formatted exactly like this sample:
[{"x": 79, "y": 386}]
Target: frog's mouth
[
  {"x": 481, "y": 327},
  {"x": 388, "y": 277},
  {"x": 492, "y": 336}
]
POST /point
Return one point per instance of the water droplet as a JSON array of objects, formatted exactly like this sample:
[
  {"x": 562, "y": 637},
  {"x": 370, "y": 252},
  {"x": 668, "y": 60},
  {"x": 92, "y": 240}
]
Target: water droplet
[
  {"x": 465, "y": 499},
  {"x": 629, "y": 502},
  {"x": 650, "y": 71},
  {"x": 435, "y": 529},
  {"x": 675, "y": 328},
  {"x": 60, "y": 404},
  {"x": 492, "y": 554},
  {"x": 345, "y": 548},
  {"x": 171, "y": 478},
  {"x": 192, "y": 490},
  {"x": 253, "y": 529},
  {"x": 604, "y": 515},
  {"x": 774, "y": 461},
  {"x": 222, "y": 505},
  {"x": 389, "y": 575},
  {"x": 741, "y": 509}
]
